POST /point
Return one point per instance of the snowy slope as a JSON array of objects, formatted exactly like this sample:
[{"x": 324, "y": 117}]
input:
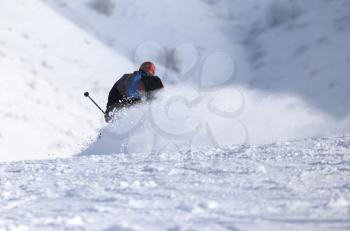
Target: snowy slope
[
  {"x": 305, "y": 55},
  {"x": 301, "y": 185},
  {"x": 177, "y": 35},
  {"x": 207, "y": 154},
  {"x": 218, "y": 46},
  {"x": 46, "y": 63},
  {"x": 291, "y": 46},
  {"x": 263, "y": 55}
]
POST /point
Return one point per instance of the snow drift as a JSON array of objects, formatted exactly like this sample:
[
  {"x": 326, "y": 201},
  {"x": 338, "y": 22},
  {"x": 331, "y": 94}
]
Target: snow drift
[
  {"x": 286, "y": 62},
  {"x": 184, "y": 118},
  {"x": 46, "y": 63}
]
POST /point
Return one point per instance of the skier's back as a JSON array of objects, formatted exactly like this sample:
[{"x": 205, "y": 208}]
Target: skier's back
[{"x": 131, "y": 88}]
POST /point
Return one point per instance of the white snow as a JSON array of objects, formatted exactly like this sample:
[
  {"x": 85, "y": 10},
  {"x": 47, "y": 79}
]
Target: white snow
[
  {"x": 300, "y": 187},
  {"x": 280, "y": 65},
  {"x": 247, "y": 135},
  {"x": 246, "y": 58},
  {"x": 46, "y": 64}
]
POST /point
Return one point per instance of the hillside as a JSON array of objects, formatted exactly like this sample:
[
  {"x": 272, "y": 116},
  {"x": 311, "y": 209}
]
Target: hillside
[
  {"x": 46, "y": 63},
  {"x": 251, "y": 131},
  {"x": 258, "y": 61},
  {"x": 302, "y": 50}
]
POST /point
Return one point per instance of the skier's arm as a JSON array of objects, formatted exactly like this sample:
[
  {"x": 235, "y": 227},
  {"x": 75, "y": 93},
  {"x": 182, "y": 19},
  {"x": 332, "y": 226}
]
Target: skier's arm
[
  {"x": 152, "y": 83},
  {"x": 115, "y": 95},
  {"x": 151, "y": 86}
]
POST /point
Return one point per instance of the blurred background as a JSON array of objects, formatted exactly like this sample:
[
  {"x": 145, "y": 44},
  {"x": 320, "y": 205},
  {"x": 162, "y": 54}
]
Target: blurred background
[{"x": 289, "y": 58}]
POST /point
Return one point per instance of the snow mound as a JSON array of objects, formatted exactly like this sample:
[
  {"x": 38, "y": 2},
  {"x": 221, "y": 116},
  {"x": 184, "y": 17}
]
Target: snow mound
[
  {"x": 301, "y": 185},
  {"x": 46, "y": 63},
  {"x": 184, "y": 118}
]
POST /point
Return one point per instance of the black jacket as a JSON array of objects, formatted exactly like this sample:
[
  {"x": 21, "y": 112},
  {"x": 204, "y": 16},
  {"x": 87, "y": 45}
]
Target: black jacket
[{"x": 127, "y": 89}]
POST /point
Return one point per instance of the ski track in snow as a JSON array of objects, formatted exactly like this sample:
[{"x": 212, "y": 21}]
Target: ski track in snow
[{"x": 281, "y": 186}]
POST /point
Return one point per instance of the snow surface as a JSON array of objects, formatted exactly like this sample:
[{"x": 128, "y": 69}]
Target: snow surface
[
  {"x": 45, "y": 66},
  {"x": 286, "y": 61},
  {"x": 214, "y": 151},
  {"x": 300, "y": 185}
]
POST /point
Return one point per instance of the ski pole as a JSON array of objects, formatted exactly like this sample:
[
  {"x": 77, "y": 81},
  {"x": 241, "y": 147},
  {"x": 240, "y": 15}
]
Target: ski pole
[{"x": 86, "y": 94}]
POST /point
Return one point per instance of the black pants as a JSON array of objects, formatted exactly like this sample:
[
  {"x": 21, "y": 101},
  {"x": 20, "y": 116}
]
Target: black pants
[{"x": 125, "y": 103}]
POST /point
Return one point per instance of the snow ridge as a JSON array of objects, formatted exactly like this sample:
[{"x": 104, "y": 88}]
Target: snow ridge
[{"x": 281, "y": 186}]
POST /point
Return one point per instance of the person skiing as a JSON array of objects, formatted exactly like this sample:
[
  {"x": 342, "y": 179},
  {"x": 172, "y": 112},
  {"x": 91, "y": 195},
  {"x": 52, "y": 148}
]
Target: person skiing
[{"x": 133, "y": 88}]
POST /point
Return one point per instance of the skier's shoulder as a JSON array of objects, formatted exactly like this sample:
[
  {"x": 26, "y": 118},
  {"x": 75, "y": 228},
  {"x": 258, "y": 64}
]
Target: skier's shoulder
[
  {"x": 128, "y": 75},
  {"x": 124, "y": 77}
]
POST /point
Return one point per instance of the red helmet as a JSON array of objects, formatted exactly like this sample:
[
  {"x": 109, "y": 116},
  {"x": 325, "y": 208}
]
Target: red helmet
[{"x": 149, "y": 68}]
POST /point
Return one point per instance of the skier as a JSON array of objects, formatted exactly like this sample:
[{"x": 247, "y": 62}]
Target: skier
[{"x": 133, "y": 88}]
